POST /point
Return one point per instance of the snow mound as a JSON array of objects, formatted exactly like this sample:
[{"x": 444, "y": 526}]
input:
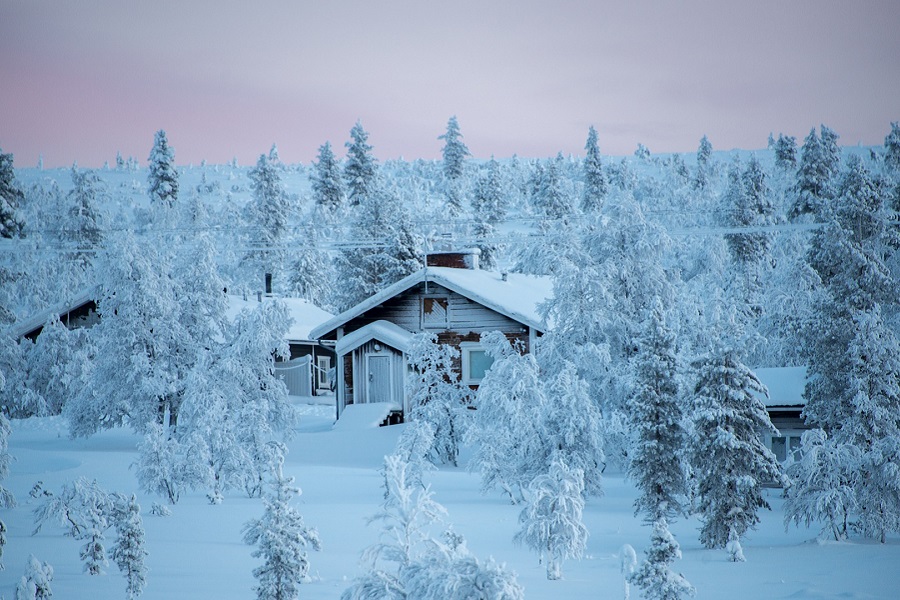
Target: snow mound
[{"x": 364, "y": 416}]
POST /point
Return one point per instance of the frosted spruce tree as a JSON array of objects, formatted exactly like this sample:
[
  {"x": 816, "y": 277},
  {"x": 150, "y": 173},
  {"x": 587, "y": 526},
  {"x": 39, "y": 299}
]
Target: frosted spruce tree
[
  {"x": 786, "y": 152},
  {"x": 129, "y": 551},
  {"x": 162, "y": 177},
  {"x": 728, "y": 457},
  {"x": 551, "y": 197},
  {"x": 892, "y": 148},
  {"x": 820, "y": 163},
  {"x": 657, "y": 463},
  {"x": 454, "y": 154},
  {"x": 360, "y": 170},
  {"x": 381, "y": 248},
  {"x": 11, "y": 198},
  {"x": 281, "y": 539},
  {"x": 595, "y": 184},
  {"x": 84, "y": 227},
  {"x": 552, "y": 518},
  {"x": 489, "y": 207},
  {"x": 436, "y": 395},
  {"x": 268, "y": 214},
  {"x": 326, "y": 182},
  {"x": 704, "y": 155}
]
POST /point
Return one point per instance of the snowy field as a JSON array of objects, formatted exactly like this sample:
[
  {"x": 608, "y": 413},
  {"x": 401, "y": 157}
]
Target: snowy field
[{"x": 197, "y": 551}]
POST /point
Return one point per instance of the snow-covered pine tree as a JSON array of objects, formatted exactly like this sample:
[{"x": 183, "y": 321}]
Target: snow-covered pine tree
[
  {"x": 312, "y": 272},
  {"x": 657, "y": 464},
  {"x": 414, "y": 447},
  {"x": 595, "y": 185},
  {"x": 281, "y": 539},
  {"x": 326, "y": 182},
  {"x": 728, "y": 457},
  {"x": 35, "y": 583},
  {"x": 820, "y": 161},
  {"x": 11, "y": 199},
  {"x": 509, "y": 448},
  {"x": 488, "y": 208},
  {"x": 454, "y": 151},
  {"x": 162, "y": 177},
  {"x": 786, "y": 152},
  {"x": 361, "y": 168},
  {"x": 552, "y": 518},
  {"x": 268, "y": 214},
  {"x": 129, "y": 551},
  {"x": 892, "y": 148},
  {"x": 552, "y": 198},
  {"x": 822, "y": 484},
  {"x": 436, "y": 395},
  {"x": 704, "y": 155},
  {"x": 381, "y": 250},
  {"x": 655, "y": 576},
  {"x": 84, "y": 227},
  {"x": 747, "y": 200}
]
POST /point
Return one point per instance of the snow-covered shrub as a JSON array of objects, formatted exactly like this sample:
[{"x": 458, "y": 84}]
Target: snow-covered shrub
[
  {"x": 436, "y": 395},
  {"x": 35, "y": 583},
  {"x": 167, "y": 467},
  {"x": 552, "y": 519},
  {"x": 822, "y": 484},
  {"x": 128, "y": 550}
]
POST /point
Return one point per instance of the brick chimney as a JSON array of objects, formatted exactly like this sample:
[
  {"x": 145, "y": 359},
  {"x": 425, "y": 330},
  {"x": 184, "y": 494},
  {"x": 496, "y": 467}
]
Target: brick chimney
[{"x": 455, "y": 259}]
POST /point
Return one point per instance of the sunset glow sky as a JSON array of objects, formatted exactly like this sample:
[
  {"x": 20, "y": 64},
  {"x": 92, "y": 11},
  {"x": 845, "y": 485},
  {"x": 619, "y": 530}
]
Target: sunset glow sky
[{"x": 80, "y": 80}]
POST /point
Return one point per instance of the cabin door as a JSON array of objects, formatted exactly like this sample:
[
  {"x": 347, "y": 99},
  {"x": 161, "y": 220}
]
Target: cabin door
[{"x": 378, "y": 378}]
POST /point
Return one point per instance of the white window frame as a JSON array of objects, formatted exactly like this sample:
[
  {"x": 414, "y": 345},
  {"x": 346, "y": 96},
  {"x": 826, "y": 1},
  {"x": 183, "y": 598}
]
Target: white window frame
[
  {"x": 465, "y": 352},
  {"x": 440, "y": 326},
  {"x": 323, "y": 365}
]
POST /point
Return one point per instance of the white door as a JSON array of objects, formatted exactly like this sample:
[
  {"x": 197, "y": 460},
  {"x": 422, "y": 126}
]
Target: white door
[{"x": 378, "y": 378}]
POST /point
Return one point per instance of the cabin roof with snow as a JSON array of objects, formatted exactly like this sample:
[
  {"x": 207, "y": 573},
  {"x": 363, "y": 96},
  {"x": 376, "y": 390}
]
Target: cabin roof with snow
[
  {"x": 305, "y": 314},
  {"x": 76, "y": 312},
  {"x": 785, "y": 385},
  {"x": 514, "y": 295}
]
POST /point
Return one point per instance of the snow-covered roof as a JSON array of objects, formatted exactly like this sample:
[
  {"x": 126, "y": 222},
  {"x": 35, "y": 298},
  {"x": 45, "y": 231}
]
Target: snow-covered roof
[
  {"x": 384, "y": 331},
  {"x": 517, "y": 297},
  {"x": 785, "y": 385},
  {"x": 305, "y": 314},
  {"x": 24, "y": 327}
]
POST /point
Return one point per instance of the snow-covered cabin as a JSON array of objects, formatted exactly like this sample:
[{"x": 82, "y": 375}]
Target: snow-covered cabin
[
  {"x": 785, "y": 405},
  {"x": 452, "y": 298},
  {"x": 309, "y": 370}
]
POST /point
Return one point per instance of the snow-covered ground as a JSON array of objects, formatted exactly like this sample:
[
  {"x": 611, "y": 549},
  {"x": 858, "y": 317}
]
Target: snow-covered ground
[{"x": 198, "y": 552}]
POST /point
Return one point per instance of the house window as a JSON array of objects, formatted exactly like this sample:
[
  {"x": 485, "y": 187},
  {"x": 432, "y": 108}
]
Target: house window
[
  {"x": 783, "y": 446},
  {"x": 323, "y": 365},
  {"x": 435, "y": 312},
  {"x": 475, "y": 363}
]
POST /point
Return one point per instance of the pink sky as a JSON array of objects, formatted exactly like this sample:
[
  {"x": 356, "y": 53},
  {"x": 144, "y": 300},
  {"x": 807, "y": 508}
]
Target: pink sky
[{"x": 82, "y": 80}]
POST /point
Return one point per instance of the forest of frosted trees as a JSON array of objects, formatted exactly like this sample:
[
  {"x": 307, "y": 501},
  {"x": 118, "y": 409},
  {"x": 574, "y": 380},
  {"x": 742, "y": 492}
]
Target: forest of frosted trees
[{"x": 674, "y": 277}]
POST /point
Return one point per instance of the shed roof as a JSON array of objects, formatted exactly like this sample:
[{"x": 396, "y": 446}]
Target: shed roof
[
  {"x": 384, "y": 331},
  {"x": 518, "y": 296}
]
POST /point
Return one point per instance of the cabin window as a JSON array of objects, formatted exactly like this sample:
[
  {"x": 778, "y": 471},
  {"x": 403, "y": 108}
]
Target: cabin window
[
  {"x": 783, "y": 446},
  {"x": 435, "y": 312},
  {"x": 323, "y": 365},
  {"x": 475, "y": 363}
]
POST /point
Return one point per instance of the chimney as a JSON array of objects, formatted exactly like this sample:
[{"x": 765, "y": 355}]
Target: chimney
[
  {"x": 455, "y": 259},
  {"x": 268, "y": 284}
]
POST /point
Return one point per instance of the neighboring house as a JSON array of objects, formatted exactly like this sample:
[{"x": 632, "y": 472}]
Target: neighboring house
[
  {"x": 309, "y": 371},
  {"x": 785, "y": 405},
  {"x": 80, "y": 311},
  {"x": 451, "y": 298}
]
